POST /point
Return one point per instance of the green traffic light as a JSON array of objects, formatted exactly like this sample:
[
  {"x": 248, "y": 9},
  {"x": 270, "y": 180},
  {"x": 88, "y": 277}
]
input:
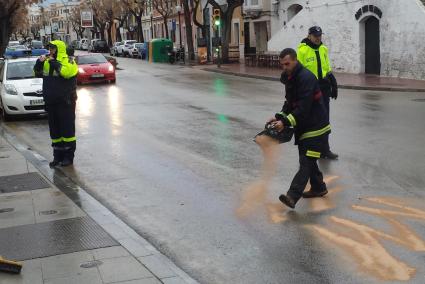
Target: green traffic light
[{"x": 217, "y": 22}]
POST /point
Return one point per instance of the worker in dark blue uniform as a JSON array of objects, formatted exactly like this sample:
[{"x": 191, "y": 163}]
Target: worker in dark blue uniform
[
  {"x": 304, "y": 110},
  {"x": 59, "y": 92}
]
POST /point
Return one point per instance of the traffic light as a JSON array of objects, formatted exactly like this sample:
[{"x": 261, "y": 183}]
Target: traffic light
[{"x": 216, "y": 17}]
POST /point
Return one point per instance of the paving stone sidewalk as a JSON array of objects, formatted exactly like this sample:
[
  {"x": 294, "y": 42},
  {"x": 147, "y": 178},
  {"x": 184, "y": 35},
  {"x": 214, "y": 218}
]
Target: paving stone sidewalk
[
  {"x": 59, "y": 240},
  {"x": 345, "y": 80}
]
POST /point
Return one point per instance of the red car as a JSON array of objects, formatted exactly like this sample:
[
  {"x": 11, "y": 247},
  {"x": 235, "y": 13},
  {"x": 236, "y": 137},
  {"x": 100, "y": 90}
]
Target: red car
[{"x": 94, "y": 68}]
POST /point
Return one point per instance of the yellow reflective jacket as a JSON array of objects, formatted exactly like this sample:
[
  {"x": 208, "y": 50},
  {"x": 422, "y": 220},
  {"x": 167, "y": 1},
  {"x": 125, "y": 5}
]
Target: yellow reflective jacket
[
  {"x": 308, "y": 54},
  {"x": 59, "y": 76}
]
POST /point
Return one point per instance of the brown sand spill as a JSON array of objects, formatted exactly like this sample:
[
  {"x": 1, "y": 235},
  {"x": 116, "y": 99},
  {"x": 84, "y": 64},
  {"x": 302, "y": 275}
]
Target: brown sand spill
[
  {"x": 326, "y": 202},
  {"x": 371, "y": 256},
  {"x": 255, "y": 193}
]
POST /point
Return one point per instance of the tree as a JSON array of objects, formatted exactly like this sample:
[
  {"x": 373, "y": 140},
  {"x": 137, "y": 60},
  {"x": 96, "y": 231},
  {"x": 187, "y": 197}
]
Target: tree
[
  {"x": 11, "y": 14},
  {"x": 76, "y": 21},
  {"x": 165, "y": 9},
  {"x": 226, "y": 12},
  {"x": 103, "y": 16},
  {"x": 189, "y": 33},
  {"x": 136, "y": 8},
  {"x": 202, "y": 26}
]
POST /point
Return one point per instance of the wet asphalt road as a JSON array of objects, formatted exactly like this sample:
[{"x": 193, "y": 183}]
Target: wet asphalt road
[{"x": 169, "y": 149}]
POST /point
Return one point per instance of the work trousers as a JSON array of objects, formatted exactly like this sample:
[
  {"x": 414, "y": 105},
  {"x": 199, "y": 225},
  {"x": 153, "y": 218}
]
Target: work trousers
[
  {"x": 308, "y": 170},
  {"x": 62, "y": 130},
  {"x": 325, "y": 88}
]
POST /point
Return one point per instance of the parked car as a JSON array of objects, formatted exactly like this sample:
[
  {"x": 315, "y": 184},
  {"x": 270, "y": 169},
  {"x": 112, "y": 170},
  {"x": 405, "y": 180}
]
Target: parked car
[
  {"x": 134, "y": 50},
  {"x": 94, "y": 68},
  {"x": 84, "y": 44},
  {"x": 91, "y": 45},
  {"x": 13, "y": 43},
  {"x": 142, "y": 50},
  {"x": 100, "y": 46},
  {"x": 125, "y": 44},
  {"x": 20, "y": 92},
  {"x": 113, "y": 50},
  {"x": 74, "y": 44},
  {"x": 36, "y": 44}
]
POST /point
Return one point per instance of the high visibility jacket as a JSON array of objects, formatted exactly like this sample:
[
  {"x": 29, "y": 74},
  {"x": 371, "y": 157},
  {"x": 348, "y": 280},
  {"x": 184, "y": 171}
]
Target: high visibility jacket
[
  {"x": 315, "y": 58},
  {"x": 304, "y": 107},
  {"x": 59, "y": 76}
]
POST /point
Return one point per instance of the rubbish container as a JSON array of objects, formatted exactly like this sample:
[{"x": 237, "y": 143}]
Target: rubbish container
[{"x": 158, "y": 49}]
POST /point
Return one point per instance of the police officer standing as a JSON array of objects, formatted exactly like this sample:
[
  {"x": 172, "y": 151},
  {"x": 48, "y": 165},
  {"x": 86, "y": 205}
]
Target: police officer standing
[
  {"x": 304, "y": 110},
  {"x": 313, "y": 54},
  {"x": 59, "y": 91}
]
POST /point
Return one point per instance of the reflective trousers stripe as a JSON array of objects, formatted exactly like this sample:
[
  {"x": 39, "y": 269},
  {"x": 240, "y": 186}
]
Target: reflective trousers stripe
[
  {"x": 64, "y": 139},
  {"x": 313, "y": 154},
  {"x": 316, "y": 132}
]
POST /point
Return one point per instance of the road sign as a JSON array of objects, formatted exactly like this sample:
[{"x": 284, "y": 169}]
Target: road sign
[{"x": 87, "y": 18}]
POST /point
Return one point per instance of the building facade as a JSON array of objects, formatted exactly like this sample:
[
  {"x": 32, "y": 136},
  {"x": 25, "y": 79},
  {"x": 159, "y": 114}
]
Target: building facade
[{"x": 382, "y": 37}]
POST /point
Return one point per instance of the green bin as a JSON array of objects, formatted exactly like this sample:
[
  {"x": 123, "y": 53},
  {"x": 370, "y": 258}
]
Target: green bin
[{"x": 158, "y": 49}]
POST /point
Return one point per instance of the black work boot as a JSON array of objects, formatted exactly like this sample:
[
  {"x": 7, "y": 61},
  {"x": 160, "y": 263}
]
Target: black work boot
[
  {"x": 66, "y": 162},
  {"x": 329, "y": 155},
  {"x": 287, "y": 200},
  {"x": 54, "y": 163},
  {"x": 312, "y": 193}
]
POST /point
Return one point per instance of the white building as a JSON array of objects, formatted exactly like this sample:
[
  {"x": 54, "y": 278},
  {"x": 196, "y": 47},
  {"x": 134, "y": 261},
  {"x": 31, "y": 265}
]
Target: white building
[
  {"x": 257, "y": 28},
  {"x": 364, "y": 36}
]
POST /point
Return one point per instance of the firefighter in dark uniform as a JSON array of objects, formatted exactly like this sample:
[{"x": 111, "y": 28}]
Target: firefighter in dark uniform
[
  {"x": 305, "y": 111},
  {"x": 313, "y": 55},
  {"x": 59, "y": 73}
]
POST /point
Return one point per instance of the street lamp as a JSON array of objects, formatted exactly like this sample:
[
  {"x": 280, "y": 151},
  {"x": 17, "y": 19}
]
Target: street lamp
[
  {"x": 151, "y": 14},
  {"x": 179, "y": 9}
]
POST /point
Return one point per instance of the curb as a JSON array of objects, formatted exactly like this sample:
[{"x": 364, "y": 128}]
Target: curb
[
  {"x": 142, "y": 250},
  {"x": 342, "y": 86}
]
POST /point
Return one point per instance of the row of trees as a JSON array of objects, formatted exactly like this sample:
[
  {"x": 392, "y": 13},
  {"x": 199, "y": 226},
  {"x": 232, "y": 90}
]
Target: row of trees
[{"x": 13, "y": 17}]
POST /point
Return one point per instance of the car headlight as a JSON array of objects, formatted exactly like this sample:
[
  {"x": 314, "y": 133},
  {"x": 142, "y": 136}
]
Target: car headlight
[
  {"x": 10, "y": 89},
  {"x": 111, "y": 68},
  {"x": 81, "y": 70}
]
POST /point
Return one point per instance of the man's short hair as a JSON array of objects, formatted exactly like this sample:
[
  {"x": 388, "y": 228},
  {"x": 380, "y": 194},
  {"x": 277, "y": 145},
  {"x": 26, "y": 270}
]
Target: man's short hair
[{"x": 288, "y": 51}]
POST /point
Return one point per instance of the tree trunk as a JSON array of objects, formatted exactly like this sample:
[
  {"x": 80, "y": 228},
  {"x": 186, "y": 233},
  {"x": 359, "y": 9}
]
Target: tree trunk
[
  {"x": 5, "y": 33},
  {"x": 166, "y": 27},
  {"x": 189, "y": 32},
  {"x": 140, "y": 37},
  {"x": 110, "y": 35},
  {"x": 226, "y": 33},
  {"x": 102, "y": 31}
]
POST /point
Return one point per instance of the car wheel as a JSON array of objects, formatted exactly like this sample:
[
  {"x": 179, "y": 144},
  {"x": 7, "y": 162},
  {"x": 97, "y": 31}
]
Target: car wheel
[{"x": 4, "y": 114}]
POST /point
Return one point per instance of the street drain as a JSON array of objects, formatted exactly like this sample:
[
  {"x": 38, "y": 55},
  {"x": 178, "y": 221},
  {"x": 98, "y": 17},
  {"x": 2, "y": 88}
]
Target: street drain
[
  {"x": 48, "y": 212},
  {"x": 91, "y": 264},
  {"x": 419, "y": 100},
  {"x": 5, "y": 210}
]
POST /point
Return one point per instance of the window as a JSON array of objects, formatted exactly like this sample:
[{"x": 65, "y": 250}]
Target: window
[
  {"x": 254, "y": 2},
  {"x": 293, "y": 10}
]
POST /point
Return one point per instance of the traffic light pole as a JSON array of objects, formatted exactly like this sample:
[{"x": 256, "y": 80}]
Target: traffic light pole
[{"x": 219, "y": 47}]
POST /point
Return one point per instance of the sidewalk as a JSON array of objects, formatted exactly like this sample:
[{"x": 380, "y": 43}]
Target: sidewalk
[
  {"x": 63, "y": 235},
  {"x": 345, "y": 80}
]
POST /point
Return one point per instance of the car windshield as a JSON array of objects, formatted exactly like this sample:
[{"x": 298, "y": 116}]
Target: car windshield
[
  {"x": 18, "y": 47},
  {"x": 138, "y": 45},
  {"x": 91, "y": 59},
  {"x": 13, "y": 43},
  {"x": 20, "y": 70},
  {"x": 37, "y": 44},
  {"x": 131, "y": 42}
]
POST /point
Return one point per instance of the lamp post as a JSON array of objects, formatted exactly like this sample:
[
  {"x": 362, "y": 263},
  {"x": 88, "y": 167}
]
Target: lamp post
[
  {"x": 151, "y": 14},
  {"x": 179, "y": 9}
]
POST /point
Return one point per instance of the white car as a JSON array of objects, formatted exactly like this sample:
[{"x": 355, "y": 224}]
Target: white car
[
  {"x": 20, "y": 92},
  {"x": 124, "y": 48},
  {"x": 84, "y": 44},
  {"x": 113, "y": 51}
]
